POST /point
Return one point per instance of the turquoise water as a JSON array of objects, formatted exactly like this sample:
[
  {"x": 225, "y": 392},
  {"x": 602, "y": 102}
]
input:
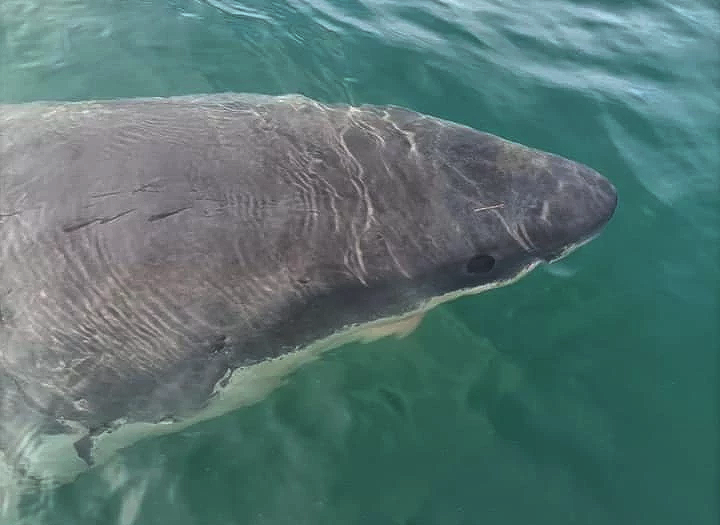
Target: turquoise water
[{"x": 587, "y": 393}]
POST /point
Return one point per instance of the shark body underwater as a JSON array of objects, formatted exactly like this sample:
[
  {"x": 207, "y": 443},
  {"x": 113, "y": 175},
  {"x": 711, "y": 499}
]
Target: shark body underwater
[{"x": 166, "y": 260}]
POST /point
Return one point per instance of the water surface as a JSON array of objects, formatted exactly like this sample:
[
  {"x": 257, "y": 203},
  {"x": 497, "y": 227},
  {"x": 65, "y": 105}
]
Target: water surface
[{"x": 585, "y": 394}]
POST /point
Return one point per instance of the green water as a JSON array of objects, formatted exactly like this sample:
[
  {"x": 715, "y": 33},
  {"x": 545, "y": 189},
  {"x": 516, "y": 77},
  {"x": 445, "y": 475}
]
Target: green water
[{"x": 587, "y": 393}]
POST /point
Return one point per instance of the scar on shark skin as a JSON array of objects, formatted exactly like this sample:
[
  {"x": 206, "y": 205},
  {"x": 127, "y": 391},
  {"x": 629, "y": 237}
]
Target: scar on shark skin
[{"x": 493, "y": 207}]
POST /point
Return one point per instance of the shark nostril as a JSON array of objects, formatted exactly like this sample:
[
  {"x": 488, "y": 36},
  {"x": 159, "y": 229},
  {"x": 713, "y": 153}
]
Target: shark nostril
[{"x": 480, "y": 264}]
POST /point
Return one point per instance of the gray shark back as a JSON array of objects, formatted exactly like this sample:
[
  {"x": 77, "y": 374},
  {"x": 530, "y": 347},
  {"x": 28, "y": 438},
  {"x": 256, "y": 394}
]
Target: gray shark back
[{"x": 150, "y": 247}]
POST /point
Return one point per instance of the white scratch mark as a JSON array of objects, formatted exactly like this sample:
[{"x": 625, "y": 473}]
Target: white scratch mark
[
  {"x": 545, "y": 211},
  {"x": 493, "y": 207},
  {"x": 514, "y": 234},
  {"x": 522, "y": 231}
]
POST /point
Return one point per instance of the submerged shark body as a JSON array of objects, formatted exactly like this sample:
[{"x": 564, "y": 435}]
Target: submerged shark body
[{"x": 163, "y": 261}]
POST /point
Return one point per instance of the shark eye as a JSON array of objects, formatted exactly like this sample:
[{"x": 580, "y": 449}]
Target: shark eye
[{"x": 480, "y": 264}]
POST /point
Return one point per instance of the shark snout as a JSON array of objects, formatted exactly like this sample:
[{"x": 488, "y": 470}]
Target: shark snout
[{"x": 578, "y": 203}]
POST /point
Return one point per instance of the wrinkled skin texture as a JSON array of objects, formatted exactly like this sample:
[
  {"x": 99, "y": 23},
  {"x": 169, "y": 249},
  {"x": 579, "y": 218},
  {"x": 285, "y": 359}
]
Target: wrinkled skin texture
[{"x": 147, "y": 247}]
